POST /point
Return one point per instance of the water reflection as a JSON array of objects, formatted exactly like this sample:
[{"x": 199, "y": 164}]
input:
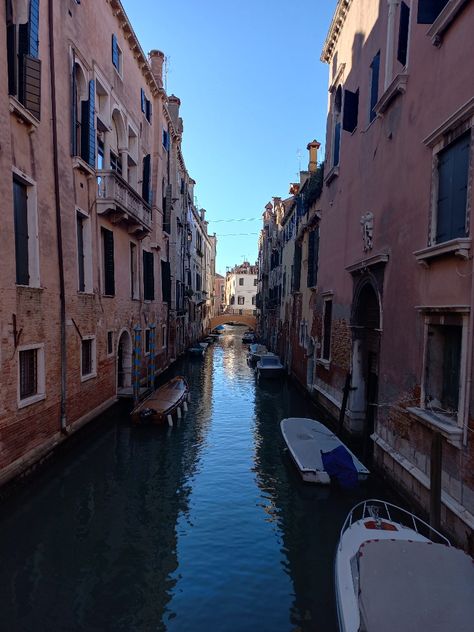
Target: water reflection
[{"x": 206, "y": 526}]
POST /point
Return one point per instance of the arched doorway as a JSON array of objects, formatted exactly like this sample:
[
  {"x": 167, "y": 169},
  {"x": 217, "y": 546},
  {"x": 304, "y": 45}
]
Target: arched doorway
[
  {"x": 124, "y": 361},
  {"x": 365, "y": 362}
]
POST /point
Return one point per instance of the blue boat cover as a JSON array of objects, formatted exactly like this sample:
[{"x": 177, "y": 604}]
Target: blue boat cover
[{"x": 339, "y": 465}]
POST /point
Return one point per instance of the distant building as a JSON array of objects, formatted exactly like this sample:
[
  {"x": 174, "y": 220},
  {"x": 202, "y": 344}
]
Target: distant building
[
  {"x": 241, "y": 289},
  {"x": 219, "y": 295}
]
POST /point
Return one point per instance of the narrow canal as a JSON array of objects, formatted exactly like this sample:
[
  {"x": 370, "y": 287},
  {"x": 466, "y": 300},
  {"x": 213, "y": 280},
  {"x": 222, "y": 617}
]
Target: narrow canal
[{"x": 203, "y": 527}]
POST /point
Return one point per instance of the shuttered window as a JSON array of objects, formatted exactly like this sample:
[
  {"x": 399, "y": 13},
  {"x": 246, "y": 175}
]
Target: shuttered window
[
  {"x": 337, "y": 144},
  {"x": 296, "y": 268},
  {"x": 327, "y": 330},
  {"x": 148, "y": 276},
  {"x": 116, "y": 54},
  {"x": 20, "y": 208},
  {"x": 33, "y": 29},
  {"x": 374, "y": 85},
  {"x": 403, "y": 34},
  {"x": 351, "y": 110},
  {"x": 146, "y": 106},
  {"x": 109, "y": 268},
  {"x": 88, "y": 133},
  {"x": 313, "y": 256},
  {"x": 80, "y": 252},
  {"x": 28, "y": 373},
  {"x": 428, "y": 10},
  {"x": 166, "y": 281},
  {"x": 453, "y": 166},
  {"x": 87, "y": 359},
  {"x": 146, "y": 189}
]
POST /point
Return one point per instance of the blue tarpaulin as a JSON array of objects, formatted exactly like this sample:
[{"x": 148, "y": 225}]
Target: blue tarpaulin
[{"x": 339, "y": 465}]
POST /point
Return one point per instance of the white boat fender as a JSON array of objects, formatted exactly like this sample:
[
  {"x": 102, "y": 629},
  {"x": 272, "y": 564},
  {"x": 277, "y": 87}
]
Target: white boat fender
[
  {"x": 170, "y": 421},
  {"x": 185, "y": 406}
]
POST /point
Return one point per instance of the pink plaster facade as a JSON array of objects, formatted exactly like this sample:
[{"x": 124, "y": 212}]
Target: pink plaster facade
[{"x": 79, "y": 286}]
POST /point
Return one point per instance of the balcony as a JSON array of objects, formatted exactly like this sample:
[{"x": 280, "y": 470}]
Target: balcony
[{"x": 122, "y": 204}]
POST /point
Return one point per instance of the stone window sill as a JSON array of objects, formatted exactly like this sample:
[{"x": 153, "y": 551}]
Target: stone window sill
[
  {"x": 439, "y": 423},
  {"x": 444, "y": 21},
  {"x": 325, "y": 363},
  {"x": 24, "y": 115},
  {"x": 29, "y": 401},
  {"x": 81, "y": 165},
  {"x": 396, "y": 88},
  {"x": 89, "y": 376},
  {"x": 458, "y": 247},
  {"x": 332, "y": 173}
]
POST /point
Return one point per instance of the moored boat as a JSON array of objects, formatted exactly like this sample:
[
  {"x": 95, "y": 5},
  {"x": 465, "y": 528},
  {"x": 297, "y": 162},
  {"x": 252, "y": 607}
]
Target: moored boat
[
  {"x": 394, "y": 572},
  {"x": 197, "y": 351},
  {"x": 319, "y": 455},
  {"x": 269, "y": 366},
  {"x": 248, "y": 337},
  {"x": 255, "y": 352},
  {"x": 160, "y": 405}
]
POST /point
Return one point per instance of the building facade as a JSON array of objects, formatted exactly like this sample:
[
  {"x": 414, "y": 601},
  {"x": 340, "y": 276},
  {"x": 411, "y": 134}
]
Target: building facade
[
  {"x": 241, "y": 289},
  {"x": 91, "y": 146},
  {"x": 387, "y": 306}
]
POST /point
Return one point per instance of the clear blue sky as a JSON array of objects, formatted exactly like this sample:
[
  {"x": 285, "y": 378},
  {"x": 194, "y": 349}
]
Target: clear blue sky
[{"x": 253, "y": 92}]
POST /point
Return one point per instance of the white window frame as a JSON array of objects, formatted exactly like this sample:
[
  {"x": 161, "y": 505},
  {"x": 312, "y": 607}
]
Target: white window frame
[
  {"x": 119, "y": 70},
  {"x": 93, "y": 373},
  {"x": 33, "y": 231},
  {"x": 135, "y": 282},
  {"x": 87, "y": 244},
  {"x": 40, "y": 376}
]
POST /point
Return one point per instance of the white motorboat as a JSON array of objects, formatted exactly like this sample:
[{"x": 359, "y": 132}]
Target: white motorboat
[
  {"x": 394, "y": 572},
  {"x": 248, "y": 337},
  {"x": 315, "y": 450},
  {"x": 269, "y": 365}
]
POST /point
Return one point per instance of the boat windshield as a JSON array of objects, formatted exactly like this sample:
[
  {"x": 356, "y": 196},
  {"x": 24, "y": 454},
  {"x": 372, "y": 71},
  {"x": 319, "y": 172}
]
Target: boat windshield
[{"x": 269, "y": 361}]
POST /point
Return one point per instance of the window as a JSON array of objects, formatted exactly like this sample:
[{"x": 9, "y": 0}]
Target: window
[
  {"x": 84, "y": 252},
  {"x": 166, "y": 281},
  {"x": 296, "y": 269},
  {"x": 83, "y": 134},
  {"x": 80, "y": 252},
  {"x": 337, "y": 126},
  {"x": 146, "y": 188},
  {"x": 327, "y": 323},
  {"x": 24, "y": 67},
  {"x": 254, "y": 300},
  {"x": 241, "y": 281},
  {"x": 88, "y": 358},
  {"x": 148, "y": 276},
  {"x": 164, "y": 340},
  {"x": 255, "y": 282},
  {"x": 403, "y": 31},
  {"x": 453, "y": 166},
  {"x": 165, "y": 139},
  {"x": 351, "y": 110},
  {"x": 26, "y": 232},
  {"x": 108, "y": 261},
  {"x": 110, "y": 343},
  {"x": 115, "y": 162},
  {"x": 116, "y": 55},
  {"x": 134, "y": 292},
  {"x": 313, "y": 256},
  {"x": 31, "y": 377},
  {"x": 146, "y": 106},
  {"x": 374, "y": 85},
  {"x": 428, "y": 10},
  {"x": 241, "y": 300}
]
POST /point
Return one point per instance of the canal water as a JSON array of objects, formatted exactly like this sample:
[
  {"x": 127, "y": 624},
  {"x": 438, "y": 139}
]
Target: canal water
[{"x": 202, "y": 527}]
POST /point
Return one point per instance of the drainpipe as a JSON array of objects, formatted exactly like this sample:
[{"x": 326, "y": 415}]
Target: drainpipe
[
  {"x": 469, "y": 351},
  {"x": 390, "y": 52},
  {"x": 62, "y": 298}
]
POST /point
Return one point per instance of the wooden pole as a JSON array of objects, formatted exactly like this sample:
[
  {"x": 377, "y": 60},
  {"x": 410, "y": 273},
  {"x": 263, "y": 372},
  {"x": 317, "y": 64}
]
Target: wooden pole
[{"x": 435, "y": 480}]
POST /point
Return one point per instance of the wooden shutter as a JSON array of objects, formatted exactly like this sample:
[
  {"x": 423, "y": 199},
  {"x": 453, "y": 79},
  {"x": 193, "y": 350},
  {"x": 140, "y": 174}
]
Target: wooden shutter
[
  {"x": 20, "y": 207},
  {"x": 148, "y": 276},
  {"x": 143, "y": 100},
  {"x": 428, "y": 10},
  {"x": 337, "y": 143},
  {"x": 30, "y": 94},
  {"x": 109, "y": 268},
  {"x": 73, "y": 111},
  {"x": 453, "y": 164},
  {"x": 33, "y": 29},
  {"x": 115, "y": 53},
  {"x": 166, "y": 281},
  {"x": 351, "y": 110},
  {"x": 146, "y": 177},
  {"x": 88, "y": 127},
  {"x": 148, "y": 108},
  {"x": 313, "y": 255},
  {"x": 403, "y": 34},
  {"x": 374, "y": 88}
]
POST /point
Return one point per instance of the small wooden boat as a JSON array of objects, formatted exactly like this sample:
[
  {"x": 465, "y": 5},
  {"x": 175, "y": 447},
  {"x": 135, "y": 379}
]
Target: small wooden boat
[
  {"x": 197, "y": 351},
  {"x": 161, "y": 404},
  {"x": 394, "y": 572},
  {"x": 319, "y": 454}
]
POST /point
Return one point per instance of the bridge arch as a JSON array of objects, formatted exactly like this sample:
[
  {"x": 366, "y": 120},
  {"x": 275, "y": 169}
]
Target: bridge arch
[{"x": 227, "y": 319}]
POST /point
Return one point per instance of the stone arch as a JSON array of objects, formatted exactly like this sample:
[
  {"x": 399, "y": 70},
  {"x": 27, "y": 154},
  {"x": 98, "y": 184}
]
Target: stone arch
[
  {"x": 124, "y": 360},
  {"x": 227, "y": 319},
  {"x": 119, "y": 139}
]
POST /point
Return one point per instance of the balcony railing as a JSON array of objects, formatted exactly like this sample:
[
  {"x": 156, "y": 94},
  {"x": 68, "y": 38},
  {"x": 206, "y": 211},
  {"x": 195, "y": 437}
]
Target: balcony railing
[{"x": 116, "y": 197}]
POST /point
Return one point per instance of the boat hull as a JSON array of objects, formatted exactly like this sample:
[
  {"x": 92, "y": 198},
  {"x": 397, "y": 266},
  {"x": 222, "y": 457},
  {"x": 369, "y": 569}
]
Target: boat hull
[{"x": 162, "y": 403}]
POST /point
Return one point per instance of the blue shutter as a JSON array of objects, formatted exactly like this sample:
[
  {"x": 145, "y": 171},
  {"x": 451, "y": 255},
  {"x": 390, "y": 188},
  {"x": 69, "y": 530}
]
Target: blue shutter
[
  {"x": 143, "y": 100},
  {"x": 374, "y": 87},
  {"x": 115, "y": 52},
  {"x": 453, "y": 163},
  {"x": 403, "y": 34},
  {"x": 33, "y": 29},
  {"x": 20, "y": 207},
  {"x": 88, "y": 127},
  {"x": 337, "y": 144}
]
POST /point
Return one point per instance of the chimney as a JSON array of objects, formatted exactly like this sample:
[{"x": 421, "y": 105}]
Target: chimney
[
  {"x": 203, "y": 214},
  {"x": 157, "y": 59},
  {"x": 173, "y": 108},
  {"x": 313, "y": 147}
]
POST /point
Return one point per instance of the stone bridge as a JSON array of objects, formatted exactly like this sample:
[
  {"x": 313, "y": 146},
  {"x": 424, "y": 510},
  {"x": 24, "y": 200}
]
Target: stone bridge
[{"x": 227, "y": 319}]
